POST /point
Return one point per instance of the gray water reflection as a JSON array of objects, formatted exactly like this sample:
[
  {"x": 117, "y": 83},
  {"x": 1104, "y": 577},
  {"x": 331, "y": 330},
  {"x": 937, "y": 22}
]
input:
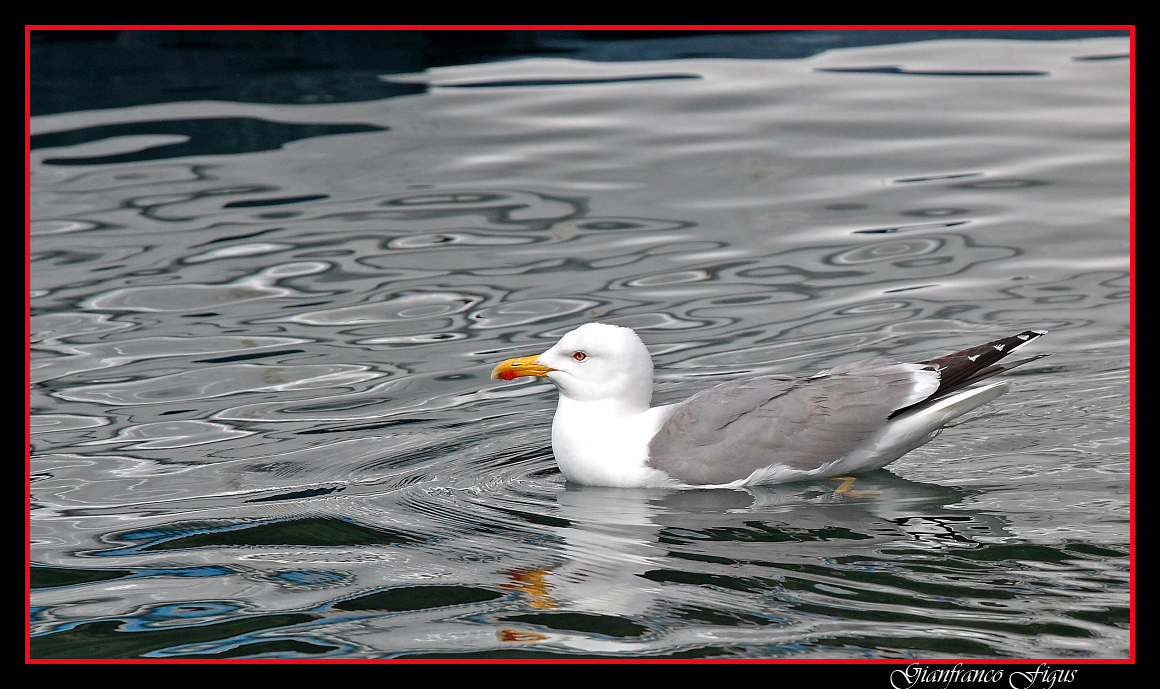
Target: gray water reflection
[{"x": 263, "y": 425}]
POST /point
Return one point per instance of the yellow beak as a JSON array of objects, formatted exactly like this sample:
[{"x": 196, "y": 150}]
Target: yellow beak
[{"x": 525, "y": 366}]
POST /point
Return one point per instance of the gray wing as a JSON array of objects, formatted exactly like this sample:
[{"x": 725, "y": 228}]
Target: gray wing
[{"x": 726, "y": 433}]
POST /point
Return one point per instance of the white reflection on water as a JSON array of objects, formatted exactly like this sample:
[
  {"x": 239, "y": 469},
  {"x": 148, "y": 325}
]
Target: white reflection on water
[{"x": 261, "y": 380}]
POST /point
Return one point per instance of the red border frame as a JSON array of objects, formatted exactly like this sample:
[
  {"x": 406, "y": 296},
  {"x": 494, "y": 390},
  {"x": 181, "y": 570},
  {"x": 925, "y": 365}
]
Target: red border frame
[{"x": 584, "y": 661}]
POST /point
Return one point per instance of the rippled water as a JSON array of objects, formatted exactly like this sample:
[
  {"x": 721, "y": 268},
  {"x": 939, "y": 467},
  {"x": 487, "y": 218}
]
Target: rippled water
[{"x": 262, "y": 420}]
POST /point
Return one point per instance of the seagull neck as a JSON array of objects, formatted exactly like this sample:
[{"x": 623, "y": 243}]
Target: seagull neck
[{"x": 602, "y": 408}]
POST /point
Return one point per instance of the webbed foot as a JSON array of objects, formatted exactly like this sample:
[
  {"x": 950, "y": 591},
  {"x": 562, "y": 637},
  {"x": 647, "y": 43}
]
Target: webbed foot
[{"x": 845, "y": 489}]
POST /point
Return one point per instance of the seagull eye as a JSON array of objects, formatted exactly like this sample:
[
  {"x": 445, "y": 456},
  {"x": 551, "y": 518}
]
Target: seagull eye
[{"x": 579, "y": 356}]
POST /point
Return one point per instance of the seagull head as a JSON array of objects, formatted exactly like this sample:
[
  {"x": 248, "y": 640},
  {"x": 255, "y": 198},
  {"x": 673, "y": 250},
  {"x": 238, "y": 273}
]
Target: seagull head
[{"x": 595, "y": 362}]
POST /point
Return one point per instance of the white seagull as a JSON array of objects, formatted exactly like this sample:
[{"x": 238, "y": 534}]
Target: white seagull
[{"x": 769, "y": 429}]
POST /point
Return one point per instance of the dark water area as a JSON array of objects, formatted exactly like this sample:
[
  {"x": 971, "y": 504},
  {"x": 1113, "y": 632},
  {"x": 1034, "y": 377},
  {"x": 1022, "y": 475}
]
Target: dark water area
[
  {"x": 264, "y": 312},
  {"x": 87, "y": 70}
]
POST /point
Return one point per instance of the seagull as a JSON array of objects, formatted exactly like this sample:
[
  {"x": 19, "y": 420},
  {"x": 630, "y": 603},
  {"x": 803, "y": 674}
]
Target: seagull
[{"x": 768, "y": 429}]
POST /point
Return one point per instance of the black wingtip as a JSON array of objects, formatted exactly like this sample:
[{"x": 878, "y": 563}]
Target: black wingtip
[
  {"x": 1029, "y": 336},
  {"x": 971, "y": 365}
]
